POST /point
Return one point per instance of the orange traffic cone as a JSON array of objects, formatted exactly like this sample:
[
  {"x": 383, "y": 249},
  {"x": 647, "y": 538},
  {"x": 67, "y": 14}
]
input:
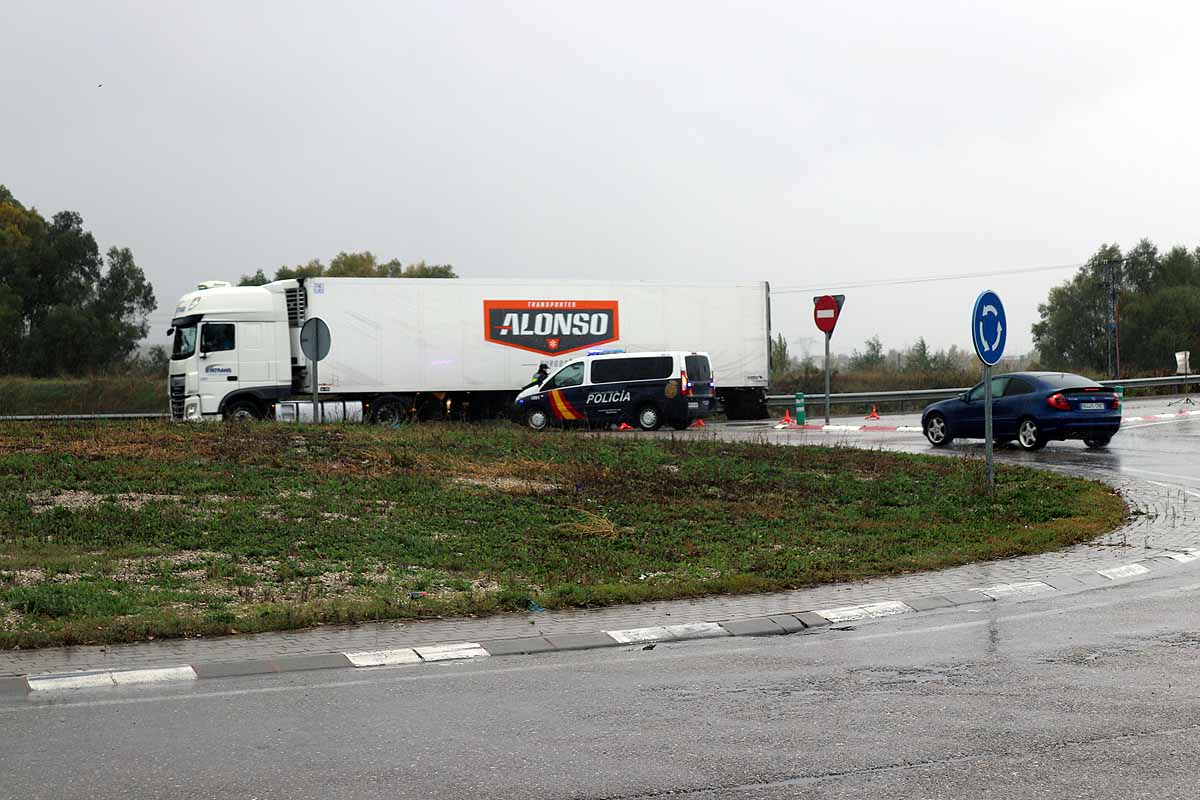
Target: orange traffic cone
[
  {"x": 699, "y": 423},
  {"x": 624, "y": 426},
  {"x": 873, "y": 415},
  {"x": 787, "y": 416}
]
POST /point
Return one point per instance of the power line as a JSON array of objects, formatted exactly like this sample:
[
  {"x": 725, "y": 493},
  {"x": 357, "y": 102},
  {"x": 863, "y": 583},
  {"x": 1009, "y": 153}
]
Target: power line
[{"x": 925, "y": 279}]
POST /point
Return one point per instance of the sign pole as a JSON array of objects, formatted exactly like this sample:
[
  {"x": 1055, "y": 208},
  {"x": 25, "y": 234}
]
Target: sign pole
[
  {"x": 987, "y": 428},
  {"x": 827, "y": 336},
  {"x": 316, "y": 400}
]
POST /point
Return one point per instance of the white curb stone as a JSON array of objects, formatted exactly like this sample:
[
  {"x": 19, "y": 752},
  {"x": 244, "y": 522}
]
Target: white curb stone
[
  {"x": 163, "y": 675},
  {"x": 1024, "y": 588},
  {"x": 696, "y": 630},
  {"x": 84, "y": 680},
  {"x": 384, "y": 658},
  {"x": 1124, "y": 571},
  {"x": 631, "y": 635},
  {"x": 449, "y": 652},
  {"x": 867, "y": 611}
]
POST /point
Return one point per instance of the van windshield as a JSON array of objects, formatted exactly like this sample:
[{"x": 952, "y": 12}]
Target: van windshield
[
  {"x": 185, "y": 342},
  {"x": 698, "y": 369}
]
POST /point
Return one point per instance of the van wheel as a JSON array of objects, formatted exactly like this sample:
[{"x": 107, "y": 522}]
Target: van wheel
[
  {"x": 648, "y": 418},
  {"x": 243, "y": 411},
  {"x": 537, "y": 419}
]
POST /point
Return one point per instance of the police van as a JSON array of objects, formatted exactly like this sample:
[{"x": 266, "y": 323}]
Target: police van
[{"x": 611, "y": 387}]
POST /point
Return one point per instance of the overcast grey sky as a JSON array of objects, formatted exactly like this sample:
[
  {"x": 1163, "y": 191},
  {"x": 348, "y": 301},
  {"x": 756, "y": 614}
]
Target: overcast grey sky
[{"x": 802, "y": 143}]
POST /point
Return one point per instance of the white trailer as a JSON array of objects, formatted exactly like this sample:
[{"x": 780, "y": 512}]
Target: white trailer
[{"x": 449, "y": 347}]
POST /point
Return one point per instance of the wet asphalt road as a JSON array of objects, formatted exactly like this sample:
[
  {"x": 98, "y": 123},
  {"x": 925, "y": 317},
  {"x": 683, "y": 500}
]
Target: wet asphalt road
[{"x": 1095, "y": 694}]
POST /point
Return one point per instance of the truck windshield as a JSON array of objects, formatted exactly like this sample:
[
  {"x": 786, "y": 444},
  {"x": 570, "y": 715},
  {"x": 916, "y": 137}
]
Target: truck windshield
[{"x": 185, "y": 342}]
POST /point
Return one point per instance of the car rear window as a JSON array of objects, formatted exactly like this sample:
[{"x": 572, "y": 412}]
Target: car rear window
[
  {"x": 1069, "y": 381},
  {"x": 697, "y": 368},
  {"x": 615, "y": 370}
]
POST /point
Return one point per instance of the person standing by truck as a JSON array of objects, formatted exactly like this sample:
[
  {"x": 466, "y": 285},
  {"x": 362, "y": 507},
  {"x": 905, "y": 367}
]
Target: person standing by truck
[{"x": 543, "y": 371}]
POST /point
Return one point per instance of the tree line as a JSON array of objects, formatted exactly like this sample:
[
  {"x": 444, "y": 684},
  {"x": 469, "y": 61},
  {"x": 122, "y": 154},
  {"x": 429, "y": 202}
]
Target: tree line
[
  {"x": 1157, "y": 312},
  {"x": 64, "y": 307},
  {"x": 353, "y": 265}
]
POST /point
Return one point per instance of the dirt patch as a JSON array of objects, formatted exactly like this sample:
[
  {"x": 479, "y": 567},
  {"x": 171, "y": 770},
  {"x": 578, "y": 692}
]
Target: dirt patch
[
  {"x": 511, "y": 485},
  {"x": 81, "y": 500}
]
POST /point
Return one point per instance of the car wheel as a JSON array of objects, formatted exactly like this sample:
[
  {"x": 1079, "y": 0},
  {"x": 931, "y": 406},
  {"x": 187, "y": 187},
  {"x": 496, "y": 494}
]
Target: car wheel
[
  {"x": 648, "y": 418},
  {"x": 1096, "y": 442},
  {"x": 1029, "y": 436},
  {"x": 243, "y": 411},
  {"x": 937, "y": 431},
  {"x": 537, "y": 419}
]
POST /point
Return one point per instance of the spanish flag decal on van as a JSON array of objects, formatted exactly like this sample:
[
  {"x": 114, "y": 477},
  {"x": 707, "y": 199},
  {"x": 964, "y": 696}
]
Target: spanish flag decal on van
[{"x": 563, "y": 409}]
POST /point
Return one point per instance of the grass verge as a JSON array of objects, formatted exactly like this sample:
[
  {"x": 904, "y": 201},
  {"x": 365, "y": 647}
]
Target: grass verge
[
  {"x": 132, "y": 393},
  {"x": 113, "y": 532}
]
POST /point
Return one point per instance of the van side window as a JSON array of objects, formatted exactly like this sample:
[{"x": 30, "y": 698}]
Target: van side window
[
  {"x": 215, "y": 337},
  {"x": 570, "y": 375},
  {"x": 616, "y": 370}
]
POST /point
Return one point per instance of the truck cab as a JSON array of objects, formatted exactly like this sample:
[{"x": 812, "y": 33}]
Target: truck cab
[{"x": 230, "y": 351}]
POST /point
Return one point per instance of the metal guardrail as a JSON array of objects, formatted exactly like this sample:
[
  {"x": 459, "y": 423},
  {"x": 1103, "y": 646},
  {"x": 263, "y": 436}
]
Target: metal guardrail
[
  {"x": 777, "y": 400},
  {"x": 844, "y": 398},
  {"x": 65, "y": 417}
]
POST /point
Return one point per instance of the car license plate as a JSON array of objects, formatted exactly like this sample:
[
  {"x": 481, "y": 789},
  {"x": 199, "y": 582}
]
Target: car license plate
[
  {"x": 693, "y": 404},
  {"x": 1092, "y": 406}
]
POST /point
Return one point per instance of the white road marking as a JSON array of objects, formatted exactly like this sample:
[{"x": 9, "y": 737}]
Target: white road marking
[
  {"x": 866, "y": 611},
  {"x": 841, "y": 428},
  {"x": 656, "y": 633},
  {"x": 449, "y": 652},
  {"x": 384, "y": 658},
  {"x": 1184, "y": 557},
  {"x": 1023, "y": 589},
  {"x": 1123, "y": 571}
]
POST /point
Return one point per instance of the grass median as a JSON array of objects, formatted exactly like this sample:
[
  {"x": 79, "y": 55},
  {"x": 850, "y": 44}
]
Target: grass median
[{"x": 114, "y": 532}]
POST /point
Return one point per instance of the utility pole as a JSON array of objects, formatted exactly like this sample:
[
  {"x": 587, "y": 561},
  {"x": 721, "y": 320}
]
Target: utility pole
[{"x": 1111, "y": 321}]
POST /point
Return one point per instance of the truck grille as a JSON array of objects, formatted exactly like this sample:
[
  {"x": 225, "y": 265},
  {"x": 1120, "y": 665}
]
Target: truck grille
[
  {"x": 297, "y": 304},
  {"x": 177, "y": 396}
]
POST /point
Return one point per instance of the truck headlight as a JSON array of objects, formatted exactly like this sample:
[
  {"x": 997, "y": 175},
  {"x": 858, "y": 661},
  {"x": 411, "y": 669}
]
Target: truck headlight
[{"x": 192, "y": 410}]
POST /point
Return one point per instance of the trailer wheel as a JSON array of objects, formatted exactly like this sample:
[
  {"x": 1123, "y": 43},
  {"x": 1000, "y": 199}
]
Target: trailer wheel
[{"x": 387, "y": 411}]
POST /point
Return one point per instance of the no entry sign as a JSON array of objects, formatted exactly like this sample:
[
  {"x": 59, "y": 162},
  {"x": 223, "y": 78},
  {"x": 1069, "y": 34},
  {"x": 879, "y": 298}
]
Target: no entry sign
[{"x": 826, "y": 309}]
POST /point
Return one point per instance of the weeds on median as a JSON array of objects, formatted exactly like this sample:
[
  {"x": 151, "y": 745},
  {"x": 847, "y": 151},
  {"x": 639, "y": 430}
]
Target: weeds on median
[{"x": 123, "y": 531}]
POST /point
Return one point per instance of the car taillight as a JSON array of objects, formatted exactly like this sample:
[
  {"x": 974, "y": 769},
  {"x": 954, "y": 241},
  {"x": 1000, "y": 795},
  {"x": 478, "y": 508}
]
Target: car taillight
[
  {"x": 1116, "y": 403},
  {"x": 1059, "y": 402},
  {"x": 685, "y": 385}
]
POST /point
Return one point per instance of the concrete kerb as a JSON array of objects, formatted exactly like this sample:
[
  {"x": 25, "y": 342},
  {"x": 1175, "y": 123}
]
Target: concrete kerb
[{"x": 782, "y": 623}]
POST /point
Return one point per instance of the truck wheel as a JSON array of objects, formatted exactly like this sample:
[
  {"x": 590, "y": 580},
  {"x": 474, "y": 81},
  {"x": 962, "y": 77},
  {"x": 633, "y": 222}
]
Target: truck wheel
[
  {"x": 537, "y": 419},
  {"x": 243, "y": 411},
  {"x": 648, "y": 418},
  {"x": 387, "y": 411}
]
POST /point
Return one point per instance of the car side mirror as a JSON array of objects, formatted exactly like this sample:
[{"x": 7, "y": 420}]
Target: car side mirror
[{"x": 170, "y": 331}]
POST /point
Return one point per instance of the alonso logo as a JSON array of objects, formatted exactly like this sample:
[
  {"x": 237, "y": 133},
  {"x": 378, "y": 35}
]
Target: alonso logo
[{"x": 551, "y": 327}]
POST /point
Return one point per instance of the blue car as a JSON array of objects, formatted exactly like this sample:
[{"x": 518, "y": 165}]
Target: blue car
[{"x": 1031, "y": 408}]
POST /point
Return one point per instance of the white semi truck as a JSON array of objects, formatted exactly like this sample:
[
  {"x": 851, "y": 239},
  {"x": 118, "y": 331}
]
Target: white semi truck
[{"x": 447, "y": 348}]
